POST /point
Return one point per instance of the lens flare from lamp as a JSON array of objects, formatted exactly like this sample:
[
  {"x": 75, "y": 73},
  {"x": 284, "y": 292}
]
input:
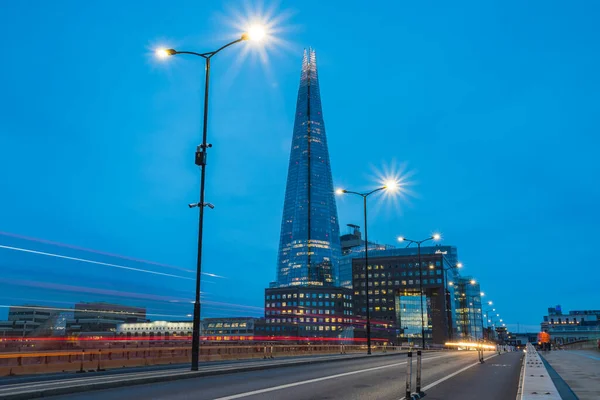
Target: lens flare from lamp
[
  {"x": 391, "y": 185},
  {"x": 256, "y": 33}
]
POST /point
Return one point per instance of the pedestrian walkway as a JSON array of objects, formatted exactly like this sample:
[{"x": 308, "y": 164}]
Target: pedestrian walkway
[
  {"x": 580, "y": 369},
  {"x": 496, "y": 379}
]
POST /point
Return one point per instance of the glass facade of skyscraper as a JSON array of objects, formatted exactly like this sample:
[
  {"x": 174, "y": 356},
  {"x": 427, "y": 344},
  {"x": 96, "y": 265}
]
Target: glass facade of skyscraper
[
  {"x": 469, "y": 315},
  {"x": 309, "y": 246}
]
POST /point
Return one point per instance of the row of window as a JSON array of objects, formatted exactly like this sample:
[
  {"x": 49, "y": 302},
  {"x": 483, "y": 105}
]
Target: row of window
[
  {"x": 307, "y": 312},
  {"x": 398, "y": 283},
  {"x": 308, "y": 296},
  {"x": 404, "y": 265},
  {"x": 304, "y": 328},
  {"x": 309, "y": 320},
  {"x": 307, "y": 303},
  {"x": 426, "y": 272}
]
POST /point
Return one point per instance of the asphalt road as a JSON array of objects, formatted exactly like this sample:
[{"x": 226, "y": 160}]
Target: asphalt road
[{"x": 368, "y": 378}]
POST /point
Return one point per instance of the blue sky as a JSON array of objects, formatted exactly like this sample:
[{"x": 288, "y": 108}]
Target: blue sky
[{"x": 492, "y": 106}]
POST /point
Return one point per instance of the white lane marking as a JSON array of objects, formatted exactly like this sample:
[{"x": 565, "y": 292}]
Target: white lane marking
[
  {"x": 451, "y": 375},
  {"x": 289, "y": 385}
]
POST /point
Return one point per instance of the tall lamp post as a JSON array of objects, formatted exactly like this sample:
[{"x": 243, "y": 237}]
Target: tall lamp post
[
  {"x": 390, "y": 185},
  {"x": 255, "y": 33},
  {"x": 487, "y": 318},
  {"x": 419, "y": 243}
]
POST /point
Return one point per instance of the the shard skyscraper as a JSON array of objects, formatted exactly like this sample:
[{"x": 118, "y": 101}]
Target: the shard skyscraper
[{"x": 309, "y": 246}]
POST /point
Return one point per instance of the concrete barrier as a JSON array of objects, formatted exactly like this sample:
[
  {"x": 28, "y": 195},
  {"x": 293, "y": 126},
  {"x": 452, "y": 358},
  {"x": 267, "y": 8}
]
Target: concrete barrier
[
  {"x": 24, "y": 363},
  {"x": 536, "y": 382}
]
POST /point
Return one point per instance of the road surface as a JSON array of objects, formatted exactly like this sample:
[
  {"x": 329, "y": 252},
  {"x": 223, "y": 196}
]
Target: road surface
[{"x": 384, "y": 378}]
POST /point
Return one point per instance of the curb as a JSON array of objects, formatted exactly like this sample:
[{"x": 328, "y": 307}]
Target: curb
[{"x": 156, "y": 379}]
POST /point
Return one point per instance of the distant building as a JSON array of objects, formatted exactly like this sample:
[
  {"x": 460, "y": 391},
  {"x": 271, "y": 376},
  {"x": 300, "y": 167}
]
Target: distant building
[
  {"x": 469, "y": 315},
  {"x": 164, "y": 329},
  {"x": 395, "y": 297},
  {"x": 213, "y": 329},
  {"x": 576, "y": 325},
  {"x": 100, "y": 319},
  {"x": 30, "y": 320},
  {"x": 352, "y": 242},
  {"x": 306, "y": 312}
]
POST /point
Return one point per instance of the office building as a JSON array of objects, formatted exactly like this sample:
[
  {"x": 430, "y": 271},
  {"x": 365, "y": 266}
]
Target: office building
[
  {"x": 572, "y": 326},
  {"x": 383, "y": 250},
  {"x": 308, "y": 312},
  {"x": 469, "y": 315},
  {"x": 30, "y": 320},
  {"x": 395, "y": 296},
  {"x": 309, "y": 246},
  {"x": 102, "y": 319}
]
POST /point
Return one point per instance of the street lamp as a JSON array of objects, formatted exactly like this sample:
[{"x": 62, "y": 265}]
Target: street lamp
[
  {"x": 447, "y": 292},
  {"x": 391, "y": 186},
  {"x": 418, "y": 243},
  {"x": 254, "y": 33}
]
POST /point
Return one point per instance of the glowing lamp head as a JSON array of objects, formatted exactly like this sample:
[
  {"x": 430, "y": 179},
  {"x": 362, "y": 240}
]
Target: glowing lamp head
[
  {"x": 473, "y": 282},
  {"x": 401, "y": 238},
  {"x": 490, "y": 303},
  {"x": 450, "y": 283},
  {"x": 340, "y": 191},
  {"x": 482, "y": 294},
  {"x": 432, "y": 266},
  {"x": 255, "y": 33},
  {"x": 391, "y": 185},
  {"x": 436, "y": 236},
  {"x": 459, "y": 265},
  {"x": 164, "y": 53}
]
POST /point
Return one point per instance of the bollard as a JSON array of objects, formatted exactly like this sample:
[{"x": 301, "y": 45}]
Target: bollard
[
  {"x": 82, "y": 357},
  {"x": 408, "y": 374},
  {"x": 419, "y": 371},
  {"x": 271, "y": 351},
  {"x": 265, "y": 356}
]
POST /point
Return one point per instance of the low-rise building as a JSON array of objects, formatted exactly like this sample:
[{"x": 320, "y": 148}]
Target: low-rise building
[
  {"x": 30, "y": 320},
  {"x": 572, "y": 326},
  {"x": 302, "y": 313},
  {"x": 102, "y": 319}
]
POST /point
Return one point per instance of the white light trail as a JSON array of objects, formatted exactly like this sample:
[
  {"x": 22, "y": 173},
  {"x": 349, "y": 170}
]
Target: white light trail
[{"x": 94, "y": 262}]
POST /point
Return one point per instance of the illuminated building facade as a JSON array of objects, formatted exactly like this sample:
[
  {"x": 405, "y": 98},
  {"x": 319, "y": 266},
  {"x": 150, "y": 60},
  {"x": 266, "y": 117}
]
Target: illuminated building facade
[
  {"x": 211, "y": 329},
  {"x": 395, "y": 297},
  {"x": 469, "y": 315},
  {"x": 384, "y": 250},
  {"x": 308, "y": 312},
  {"x": 309, "y": 246}
]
